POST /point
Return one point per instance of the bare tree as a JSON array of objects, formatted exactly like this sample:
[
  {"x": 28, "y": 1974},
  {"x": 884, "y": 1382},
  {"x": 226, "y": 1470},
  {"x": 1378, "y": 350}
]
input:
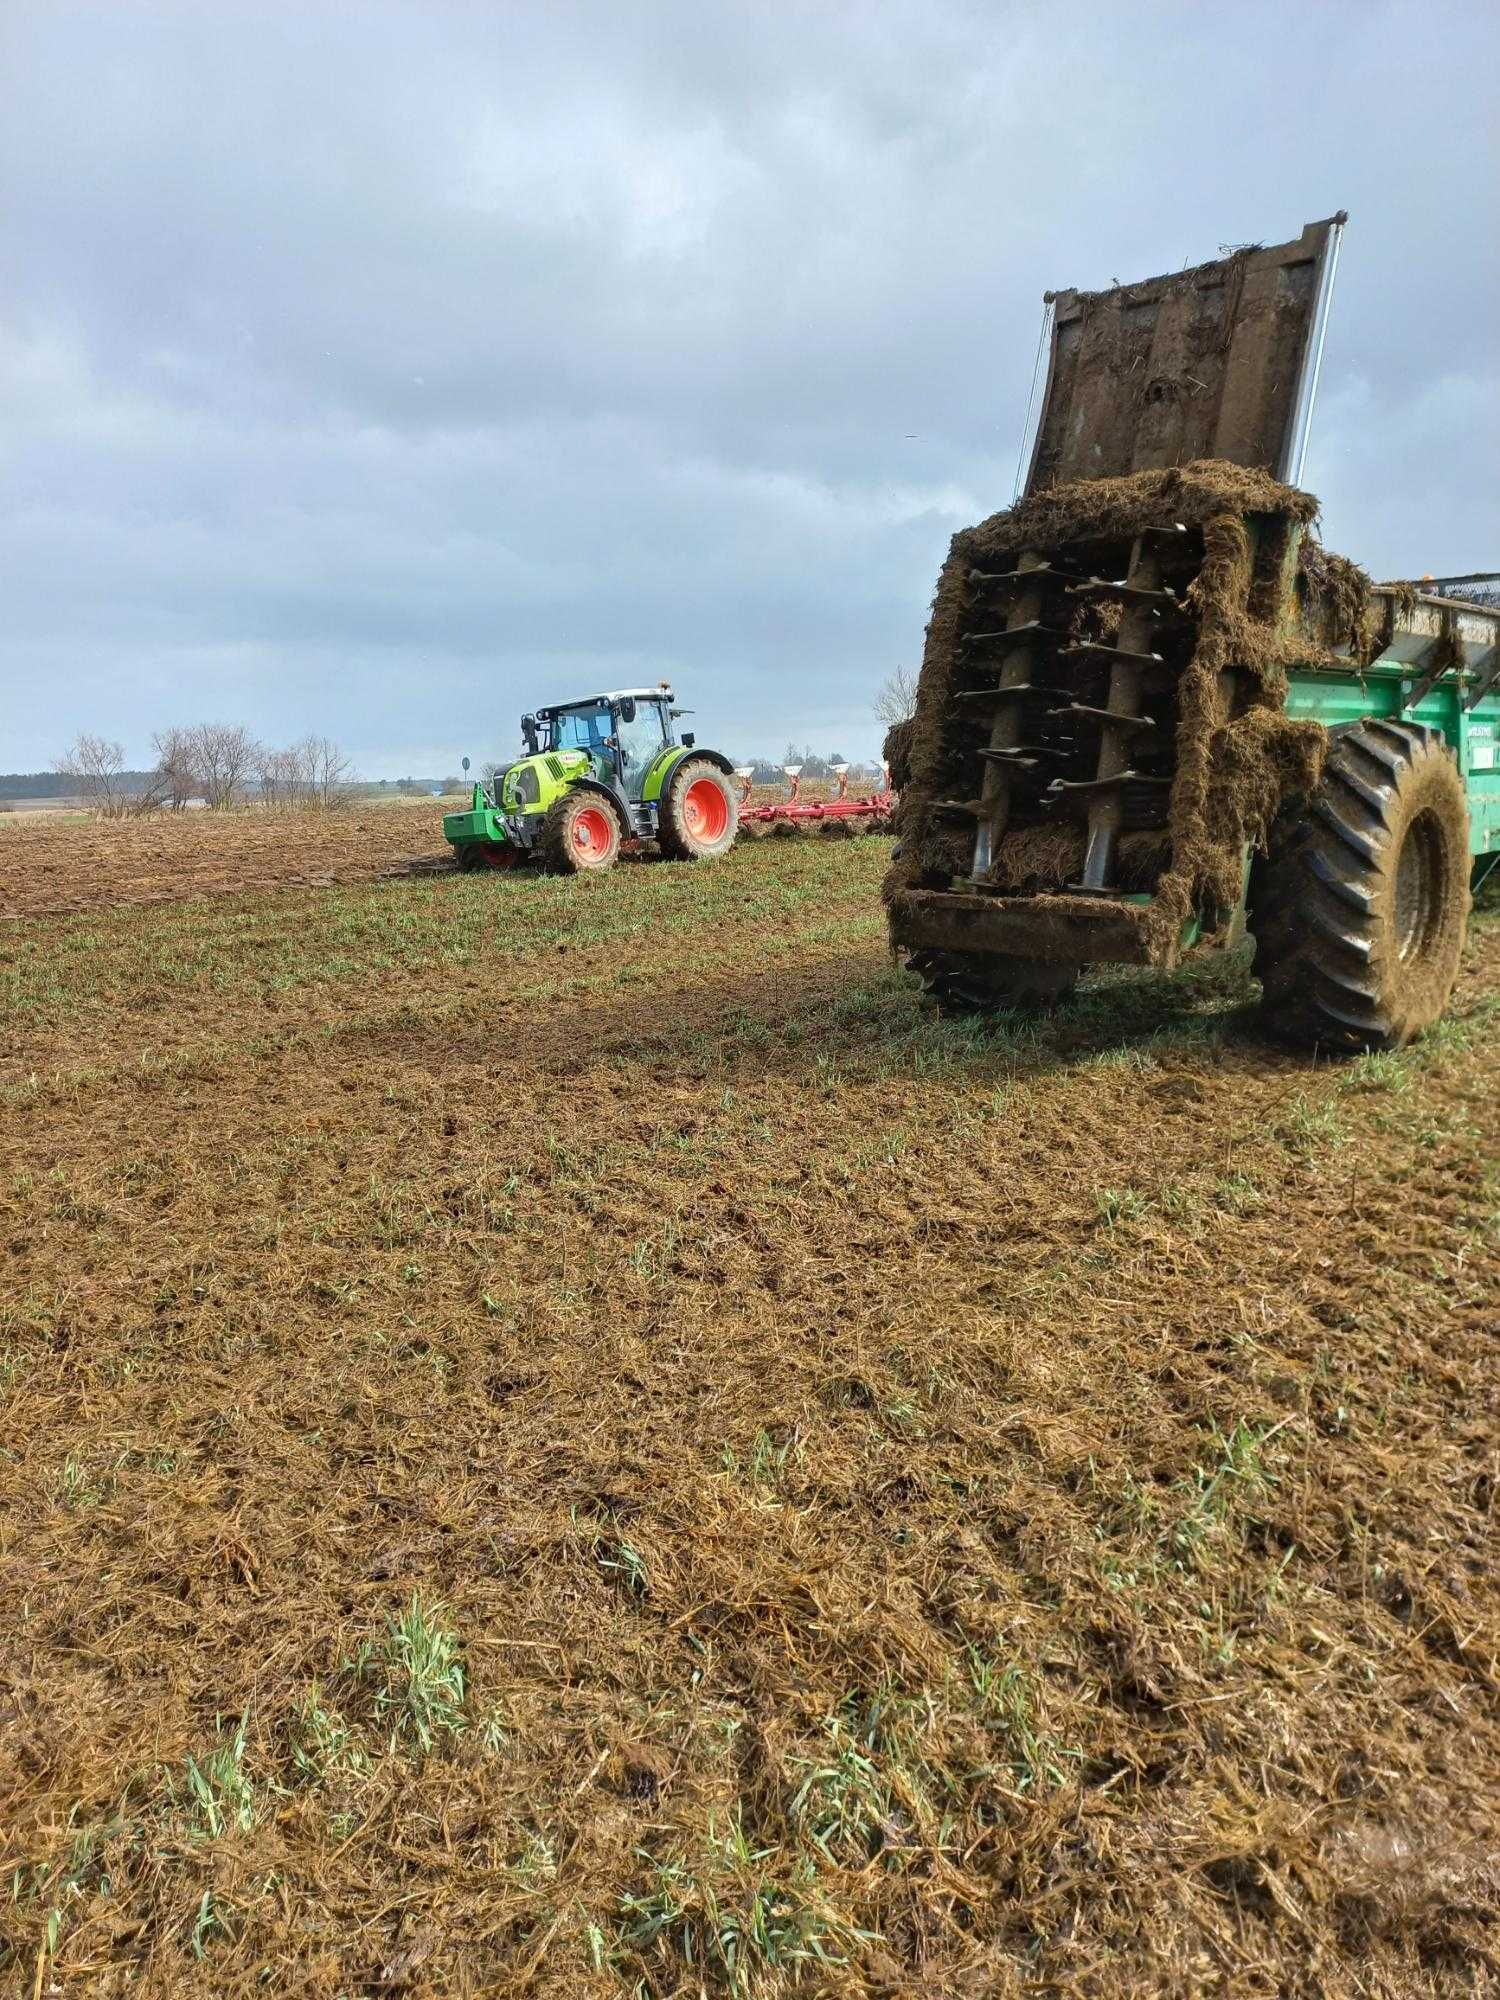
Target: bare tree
[
  {"x": 314, "y": 772},
  {"x": 224, "y": 755},
  {"x": 96, "y": 764},
  {"x": 326, "y": 772},
  {"x": 175, "y": 776},
  {"x": 278, "y": 776},
  {"x": 896, "y": 700}
]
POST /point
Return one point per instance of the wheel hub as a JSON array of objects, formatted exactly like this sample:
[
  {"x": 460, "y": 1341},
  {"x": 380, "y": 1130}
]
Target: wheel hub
[
  {"x": 590, "y": 832},
  {"x": 1419, "y": 878},
  {"x": 704, "y": 810}
]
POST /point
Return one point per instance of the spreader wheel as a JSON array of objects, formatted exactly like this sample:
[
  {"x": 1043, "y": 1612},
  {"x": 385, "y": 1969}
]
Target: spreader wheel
[
  {"x": 699, "y": 814},
  {"x": 580, "y": 835},
  {"x": 983, "y": 982},
  {"x": 1359, "y": 908}
]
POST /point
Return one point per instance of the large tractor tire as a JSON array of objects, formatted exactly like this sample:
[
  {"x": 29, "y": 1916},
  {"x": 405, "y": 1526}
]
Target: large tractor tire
[
  {"x": 580, "y": 835},
  {"x": 699, "y": 814},
  {"x": 983, "y": 982},
  {"x": 1359, "y": 907}
]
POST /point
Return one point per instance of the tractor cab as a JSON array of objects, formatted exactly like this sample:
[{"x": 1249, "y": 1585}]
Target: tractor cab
[
  {"x": 600, "y": 774},
  {"x": 623, "y": 735}
]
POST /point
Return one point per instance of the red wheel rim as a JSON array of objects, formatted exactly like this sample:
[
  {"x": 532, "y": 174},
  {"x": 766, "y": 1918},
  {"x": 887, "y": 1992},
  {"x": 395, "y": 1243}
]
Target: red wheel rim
[
  {"x": 591, "y": 833},
  {"x": 705, "y": 810}
]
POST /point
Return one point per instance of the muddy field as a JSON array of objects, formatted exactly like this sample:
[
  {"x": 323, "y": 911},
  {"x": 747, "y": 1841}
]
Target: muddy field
[
  {"x": 568, "y": 1437},
  {"x": 51, "y": 865},
  {"x": 55, "y": 864}
]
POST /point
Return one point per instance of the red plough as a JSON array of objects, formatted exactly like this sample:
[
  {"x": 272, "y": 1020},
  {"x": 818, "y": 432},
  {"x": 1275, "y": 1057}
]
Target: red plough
[{"x": 838, "y": 817}]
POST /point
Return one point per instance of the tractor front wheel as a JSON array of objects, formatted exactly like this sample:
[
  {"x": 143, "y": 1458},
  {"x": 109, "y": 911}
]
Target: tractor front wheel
[
  {"x": 699, "y": 815},
  {"x": 580, "y": 835}
]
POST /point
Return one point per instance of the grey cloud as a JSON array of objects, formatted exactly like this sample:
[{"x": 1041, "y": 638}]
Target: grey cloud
[{"x": 379, "y": 370}]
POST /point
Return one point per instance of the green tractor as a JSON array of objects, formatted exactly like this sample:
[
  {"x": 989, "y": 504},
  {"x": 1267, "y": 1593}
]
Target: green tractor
[{"x": 601, "y": 774}]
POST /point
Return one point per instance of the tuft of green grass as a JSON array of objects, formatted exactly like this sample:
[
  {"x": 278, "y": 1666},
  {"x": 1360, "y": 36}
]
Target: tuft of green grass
[
  {"x": 1180, "y": 1202},
  {"x": 879, "y": 1789},
  {"x": 1116, "y": 1205},
  {"x": 210, "y": 1921},
  {"x": 323, "y": 1744},
  {"x": 415, "y": 1671},
  {"x": 218, "y": 1792},
  {"x": 1214, "y": 1492},
  {"x": 734, "y": 1915},
  {"x": 1378, "y": 1069},
  {"x": 623, "y": 1564},
  {"x": 1238, "y": 1194},
  {"x": 1311, "y": 1126},
  {"x": 765, "y": 1464},
  {"x": 843, "y": 1804},
  {"x": 1007, "y": 1698},
  {"x": 76, "y": 1486}
]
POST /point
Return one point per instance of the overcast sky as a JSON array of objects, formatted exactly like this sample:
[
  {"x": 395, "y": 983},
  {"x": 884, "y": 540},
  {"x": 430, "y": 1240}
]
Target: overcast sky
[{"x": 382, "y": 370}]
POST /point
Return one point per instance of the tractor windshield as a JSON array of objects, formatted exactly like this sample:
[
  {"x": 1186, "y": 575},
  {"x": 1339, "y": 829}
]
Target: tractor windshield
[{"x": 580, "y": 729}]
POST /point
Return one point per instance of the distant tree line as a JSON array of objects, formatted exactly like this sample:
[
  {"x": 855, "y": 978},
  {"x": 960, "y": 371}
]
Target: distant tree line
[
  {"x": 220, "y": 763},
  {"x": 19, "y": 785}
]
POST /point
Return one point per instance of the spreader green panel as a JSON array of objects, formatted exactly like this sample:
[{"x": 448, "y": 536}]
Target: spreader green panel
[{"x": 1381, "y": 694}]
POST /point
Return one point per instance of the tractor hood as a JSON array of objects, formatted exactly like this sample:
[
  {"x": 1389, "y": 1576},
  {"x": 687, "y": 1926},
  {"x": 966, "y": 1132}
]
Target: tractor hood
[{"x": 531, "y": 783}]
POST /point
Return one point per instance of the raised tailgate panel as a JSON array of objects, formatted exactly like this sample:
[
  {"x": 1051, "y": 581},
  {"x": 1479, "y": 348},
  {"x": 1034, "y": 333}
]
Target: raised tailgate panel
[{"x": 1203, "y": 363}]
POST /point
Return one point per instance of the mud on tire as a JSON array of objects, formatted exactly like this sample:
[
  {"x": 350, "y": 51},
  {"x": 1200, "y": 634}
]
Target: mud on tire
[
  {"x": 699, "y": 814},
  {"x": 982, "y": 982},
  {"x": 1360, "y": 905},
  {"x": 580, "y": 835}
]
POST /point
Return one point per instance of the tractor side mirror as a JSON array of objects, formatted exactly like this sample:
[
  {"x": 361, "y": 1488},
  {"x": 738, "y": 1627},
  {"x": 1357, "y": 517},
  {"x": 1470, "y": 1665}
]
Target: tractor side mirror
[
  {"x": 688, "y": 739},
  {"x": 627, "y": 711}
]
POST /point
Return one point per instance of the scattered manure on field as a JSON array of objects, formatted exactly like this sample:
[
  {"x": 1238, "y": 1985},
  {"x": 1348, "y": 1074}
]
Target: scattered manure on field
[{"x": 531, "y": 1484}]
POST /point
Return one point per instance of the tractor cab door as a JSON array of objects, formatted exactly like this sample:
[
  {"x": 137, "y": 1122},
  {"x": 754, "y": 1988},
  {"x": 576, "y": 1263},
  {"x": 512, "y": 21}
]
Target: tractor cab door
[{"x": 640, "y": 735}]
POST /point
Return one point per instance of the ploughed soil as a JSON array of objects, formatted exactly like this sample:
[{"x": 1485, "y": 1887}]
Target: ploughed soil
[
  {"x": 569, "y": 1436},
  {"x": 51, "y": 864},
  {"x": 54, "y": 864}
]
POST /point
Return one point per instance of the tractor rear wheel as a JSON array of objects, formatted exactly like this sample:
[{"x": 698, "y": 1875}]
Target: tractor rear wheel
[
  {"x": 1360, "y": 906},
  {"x": 699, "y": 814},
  {"x": 983, "y": 982},
  {"x": 580, "y": 835}
]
